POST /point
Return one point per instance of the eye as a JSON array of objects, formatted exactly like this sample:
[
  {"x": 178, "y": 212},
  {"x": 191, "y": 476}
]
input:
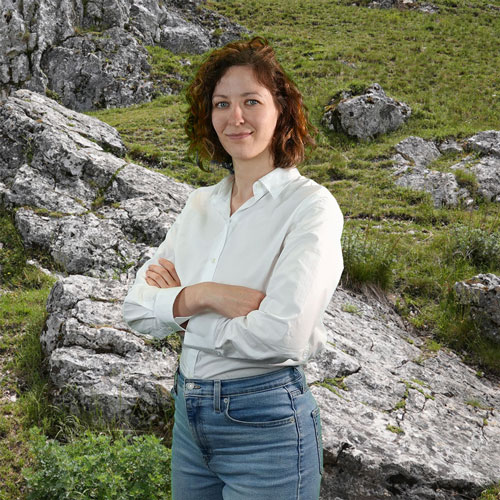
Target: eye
[
  {"x": 221, "y": 104},
  {"x": 252, "y": 102}
]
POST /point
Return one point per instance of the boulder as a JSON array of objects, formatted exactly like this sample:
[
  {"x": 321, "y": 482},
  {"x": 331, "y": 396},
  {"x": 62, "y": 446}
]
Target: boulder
[
  {"x": 92, "y": 54},
  {"x": 97, "y": 365},
  {"x": 109, "y": 69},
  {"x": 417, "y": 151},
  {"x": 91, "y": 211},
  {"x": 427, "y": 8},
  {"x": 482, "y": 294},
  {"x": 414, "y": 154},
  {"x": 486, "y": 142},
  {"x": 365, "y": 116},
  {"x": 408, "y": 423}
]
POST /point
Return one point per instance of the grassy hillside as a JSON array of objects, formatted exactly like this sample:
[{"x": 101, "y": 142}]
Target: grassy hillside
[{"x": 444, "y": 65}]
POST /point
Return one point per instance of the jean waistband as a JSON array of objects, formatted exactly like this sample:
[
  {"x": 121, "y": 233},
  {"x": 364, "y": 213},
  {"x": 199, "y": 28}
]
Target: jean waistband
[{"x": 228, "y": 387}]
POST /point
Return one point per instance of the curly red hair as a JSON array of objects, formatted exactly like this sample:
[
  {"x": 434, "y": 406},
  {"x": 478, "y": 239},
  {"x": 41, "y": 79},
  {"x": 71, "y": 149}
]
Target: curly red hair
[{"x": 293, "y": 129}]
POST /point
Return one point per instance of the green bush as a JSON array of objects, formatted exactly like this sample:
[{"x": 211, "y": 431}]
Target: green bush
[
  {"x": 367, "y": 261},
  {"x": 478, "y": 246},
  {"x": 98, "y": 467}
]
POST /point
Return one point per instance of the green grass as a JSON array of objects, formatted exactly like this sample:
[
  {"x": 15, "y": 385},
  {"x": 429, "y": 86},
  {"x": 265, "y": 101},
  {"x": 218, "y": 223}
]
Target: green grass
[{"x": 445, "y": 66}]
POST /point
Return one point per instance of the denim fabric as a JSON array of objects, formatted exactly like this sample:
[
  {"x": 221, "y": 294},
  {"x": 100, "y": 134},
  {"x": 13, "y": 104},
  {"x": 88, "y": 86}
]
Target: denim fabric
[{"x": 251, "y": 437}]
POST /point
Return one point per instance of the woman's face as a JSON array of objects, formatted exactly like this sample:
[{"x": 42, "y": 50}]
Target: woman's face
[{"x": 244, "y": 115}]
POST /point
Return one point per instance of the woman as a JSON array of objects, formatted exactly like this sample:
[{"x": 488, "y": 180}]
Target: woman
[{"x": 245, "y": 272}]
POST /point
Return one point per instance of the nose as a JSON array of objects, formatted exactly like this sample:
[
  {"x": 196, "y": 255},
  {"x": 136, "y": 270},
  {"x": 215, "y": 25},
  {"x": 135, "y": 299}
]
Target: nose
[{"x": 236, "y": 115}]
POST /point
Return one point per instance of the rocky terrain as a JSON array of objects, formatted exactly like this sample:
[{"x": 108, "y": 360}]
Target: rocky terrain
[
  {"x": 399, "y": 419},
  {"x": 91, "y": 54}
]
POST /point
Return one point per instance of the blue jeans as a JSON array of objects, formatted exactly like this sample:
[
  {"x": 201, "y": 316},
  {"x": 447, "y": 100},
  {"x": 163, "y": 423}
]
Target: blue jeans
[{"x": 244, "y": 438}]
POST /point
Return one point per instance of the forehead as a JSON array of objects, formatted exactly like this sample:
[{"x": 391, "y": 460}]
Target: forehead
[{"x": 239, "y": 80}]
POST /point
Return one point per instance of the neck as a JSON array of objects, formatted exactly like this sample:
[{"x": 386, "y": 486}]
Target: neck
[{"x": 246, "y": 173}]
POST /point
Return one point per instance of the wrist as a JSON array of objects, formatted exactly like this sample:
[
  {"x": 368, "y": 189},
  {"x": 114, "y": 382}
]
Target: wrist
[{"x": 195, "y": 298}]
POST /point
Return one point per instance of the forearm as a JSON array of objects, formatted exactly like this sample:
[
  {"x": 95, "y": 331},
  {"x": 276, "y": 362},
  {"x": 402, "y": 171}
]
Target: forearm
[
  {"x": 230, "y": 301},
  {"x": 190, "y": 300}
]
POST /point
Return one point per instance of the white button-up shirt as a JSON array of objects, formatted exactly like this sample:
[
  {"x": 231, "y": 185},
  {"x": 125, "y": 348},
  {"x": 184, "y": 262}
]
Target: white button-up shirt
[{"x": 284, "y": 241}]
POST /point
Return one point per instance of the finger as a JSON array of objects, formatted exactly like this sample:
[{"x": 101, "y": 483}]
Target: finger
[
  {"x": 161, "y": 271},
  {"x": 150, "y": 282},
  {"x": 158, "y": 279},
  {"x": 169, "y": 265}
]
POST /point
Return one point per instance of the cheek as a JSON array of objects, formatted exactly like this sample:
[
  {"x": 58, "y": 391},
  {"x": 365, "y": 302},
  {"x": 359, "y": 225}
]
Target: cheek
[{"x": 216, "y": 123}]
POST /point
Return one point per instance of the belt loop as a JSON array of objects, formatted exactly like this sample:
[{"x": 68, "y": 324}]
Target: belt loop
[
  {"x": 217, "y": 385},
  {"x": 303, "y": 383},
  {"x": 175, "y": 379}
]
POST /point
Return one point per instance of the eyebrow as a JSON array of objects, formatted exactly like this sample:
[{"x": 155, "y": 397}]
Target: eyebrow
[{"x": 242, "y": 95}]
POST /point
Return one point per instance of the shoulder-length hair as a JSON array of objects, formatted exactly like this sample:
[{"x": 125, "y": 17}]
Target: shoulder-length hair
[{"x": 293, "y": 128}]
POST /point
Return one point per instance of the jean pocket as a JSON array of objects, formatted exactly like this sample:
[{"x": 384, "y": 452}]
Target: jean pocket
[
  {"x": 271, "y": 408},
  {"x": 319, "y": 437}
]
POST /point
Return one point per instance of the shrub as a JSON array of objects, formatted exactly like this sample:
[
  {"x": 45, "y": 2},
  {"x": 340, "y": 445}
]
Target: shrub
[
  {"x": 96, "y": 467},
  {"x": 366, "y": 260},
  {"x": 478, "y": 246}
]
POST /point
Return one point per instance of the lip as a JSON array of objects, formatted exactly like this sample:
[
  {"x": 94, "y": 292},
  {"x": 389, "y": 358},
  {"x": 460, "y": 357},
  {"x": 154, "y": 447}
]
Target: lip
[{"x": 241, "y": 135}]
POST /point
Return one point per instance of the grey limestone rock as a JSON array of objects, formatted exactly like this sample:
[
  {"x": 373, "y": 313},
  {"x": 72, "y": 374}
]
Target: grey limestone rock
[
  {"x": 482, "y": 294},
  {"x": 109, "y": 69},
  {"x": 90, "y": 210},
  {"x": 417, "y": 151},
  {"x": 92, "y": 53},
  {"x": 427, "y": 8},
  {"x": 96, "y": 363},
  {"x": 407, "y": 423},
  {"x": 365, "y": 116},
  {"x": 414, "y": 155},
  {"x": 487, "y": 142}
]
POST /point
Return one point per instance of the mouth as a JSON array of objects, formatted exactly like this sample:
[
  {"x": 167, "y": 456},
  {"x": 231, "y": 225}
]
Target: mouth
[{"x": 240, "y": 135}]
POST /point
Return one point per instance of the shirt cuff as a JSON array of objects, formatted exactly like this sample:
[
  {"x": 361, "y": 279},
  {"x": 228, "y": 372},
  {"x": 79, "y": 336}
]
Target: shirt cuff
[{"x": 164, "y": 309}]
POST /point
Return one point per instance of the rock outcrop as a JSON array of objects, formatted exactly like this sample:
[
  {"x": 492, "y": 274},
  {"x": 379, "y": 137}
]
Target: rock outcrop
[
  {"x": 478, "y": 174},
  {"x": 365, "y": 116},
  {"x": 92, "y": 211},
  {"x": 97, "y": 364},
  {"x": 481, "y": 294},
  {"x": 399, "y": 420},
  {"x": 92, "y": 53},
  {"x": 428, "y": 8}
]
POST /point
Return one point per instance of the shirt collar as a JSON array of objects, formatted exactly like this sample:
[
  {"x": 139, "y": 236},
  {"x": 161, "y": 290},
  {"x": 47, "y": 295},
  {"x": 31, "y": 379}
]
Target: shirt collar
[
  {"x": 273, "y": 182},
  {"x": 276, "y": 180}
]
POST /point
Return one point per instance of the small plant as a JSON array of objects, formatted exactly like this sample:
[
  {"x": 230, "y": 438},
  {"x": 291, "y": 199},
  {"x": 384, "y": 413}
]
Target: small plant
[
  {"x": 492, "y": 493},
  {"x": 366, "y": 260},
  {"x": 351, "y": 308},
  {"x": 476, "y": 245},
  {"x": 96, "y": 466},
  {"x": 52, "y": 94},
  {"x": 467, "y": 180},
  {"x": 395, "y": 429}
]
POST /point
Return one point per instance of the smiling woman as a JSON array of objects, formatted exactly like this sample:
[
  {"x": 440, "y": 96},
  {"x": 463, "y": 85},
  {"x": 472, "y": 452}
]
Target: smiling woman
[
  {"x": 246, "y": 272},
  {"x": 244, "y": 116}
]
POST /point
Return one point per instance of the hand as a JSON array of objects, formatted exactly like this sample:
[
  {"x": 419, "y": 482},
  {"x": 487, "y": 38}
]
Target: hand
[{"x": 163, "y": 275}]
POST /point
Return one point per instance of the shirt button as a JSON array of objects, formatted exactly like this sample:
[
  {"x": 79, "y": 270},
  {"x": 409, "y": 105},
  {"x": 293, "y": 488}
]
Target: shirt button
[{"x": 189, "y": 385}]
